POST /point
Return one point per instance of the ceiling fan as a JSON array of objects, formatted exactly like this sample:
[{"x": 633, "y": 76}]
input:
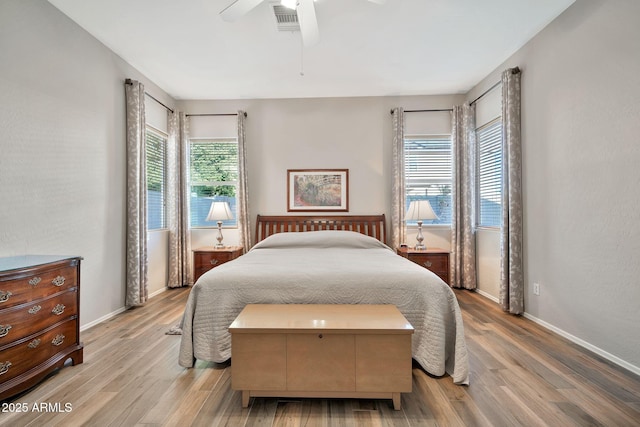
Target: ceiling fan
[{"x": 305, "y": 10}]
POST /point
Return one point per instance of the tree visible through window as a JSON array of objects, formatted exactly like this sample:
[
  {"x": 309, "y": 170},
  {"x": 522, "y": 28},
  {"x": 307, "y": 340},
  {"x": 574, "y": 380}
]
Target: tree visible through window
[{"x": 213, "y": 178}]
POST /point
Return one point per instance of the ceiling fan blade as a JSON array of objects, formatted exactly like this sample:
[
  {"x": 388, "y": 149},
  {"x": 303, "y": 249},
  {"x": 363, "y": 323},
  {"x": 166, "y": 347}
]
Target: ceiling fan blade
[
  {"x": 308, "y": 22},
  {"x": 238, "y": 8}
]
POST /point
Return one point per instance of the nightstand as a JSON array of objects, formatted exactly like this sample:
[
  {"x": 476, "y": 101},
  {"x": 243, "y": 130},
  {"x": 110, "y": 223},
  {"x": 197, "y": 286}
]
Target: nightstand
[
  {"x": 208, "y": 257},
  {"x": 436, "y": 260}
]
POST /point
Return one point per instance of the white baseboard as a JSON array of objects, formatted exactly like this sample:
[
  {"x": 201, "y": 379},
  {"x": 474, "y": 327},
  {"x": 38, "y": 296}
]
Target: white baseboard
[
  {"x": 158, "y": 292},
  {"x": 487, "y": 295},
  {"x": 115, "y": 313},
  {"x": 582, "y": 343},
  {"x": 102, "y": 319}
]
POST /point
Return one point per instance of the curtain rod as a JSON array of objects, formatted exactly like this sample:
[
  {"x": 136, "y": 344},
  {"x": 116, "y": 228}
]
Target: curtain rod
[
  {"x": 514, "y": 70},
  {"x": 426, "y": 111},
  {"x": 152, "y": 97},
  {"x": 214, "y": 114},
  {"x": 485, "y": 92},
  {"x": 130, "y": 82}
]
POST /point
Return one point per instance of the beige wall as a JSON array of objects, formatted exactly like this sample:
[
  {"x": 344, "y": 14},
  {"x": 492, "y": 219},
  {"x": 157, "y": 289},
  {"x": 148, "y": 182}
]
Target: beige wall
[
  {"x": 351, "y": 133},
  {"x": 62, "y": 148},
  {"x": 580, "y": 127}
]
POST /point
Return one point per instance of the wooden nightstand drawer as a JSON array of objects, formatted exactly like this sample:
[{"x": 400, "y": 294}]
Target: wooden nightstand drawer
[
  {"x": 210, "y": 259},
  {"x": 206, "y": 258},
  {"x": 435, "y": 260}
]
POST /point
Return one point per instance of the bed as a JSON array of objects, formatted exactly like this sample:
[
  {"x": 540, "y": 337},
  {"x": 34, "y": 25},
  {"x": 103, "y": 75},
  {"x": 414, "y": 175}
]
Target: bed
[{"x": 325, "y": 260}]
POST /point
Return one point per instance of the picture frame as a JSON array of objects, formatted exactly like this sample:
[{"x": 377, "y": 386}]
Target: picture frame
[{"x": 317, "y": 190}]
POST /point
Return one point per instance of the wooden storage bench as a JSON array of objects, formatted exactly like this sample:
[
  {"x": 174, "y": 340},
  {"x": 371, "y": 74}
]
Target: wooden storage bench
[{"x": 326, "y": 351}]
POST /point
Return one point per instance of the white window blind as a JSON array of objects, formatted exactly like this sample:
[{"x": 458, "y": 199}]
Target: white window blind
[
  {"x": 489, "y": 143},
  {"x": 156, "y": 148},
  {"x": 428, "y": 174},
  {"x": 213, "y": 176}
]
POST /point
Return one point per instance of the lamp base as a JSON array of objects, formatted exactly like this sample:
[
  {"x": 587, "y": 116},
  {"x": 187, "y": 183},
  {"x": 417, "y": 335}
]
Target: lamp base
[
  {"x": 420, "y": 246},
  {"x": 219, "y": 238}
]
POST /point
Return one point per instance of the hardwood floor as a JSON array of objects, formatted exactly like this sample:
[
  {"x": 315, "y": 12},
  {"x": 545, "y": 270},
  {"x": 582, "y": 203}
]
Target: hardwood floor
[{"x": 521, "y": 374}]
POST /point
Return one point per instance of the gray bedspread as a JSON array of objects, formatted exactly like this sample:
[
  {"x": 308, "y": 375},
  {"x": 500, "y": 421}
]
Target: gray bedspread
[{"x": 326, "y": 267}]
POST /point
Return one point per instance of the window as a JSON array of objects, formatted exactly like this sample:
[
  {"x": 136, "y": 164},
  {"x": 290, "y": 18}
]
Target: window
[
  {"x": 213, "y": 175},
  {"x": 156, "y": 147},
  {"x": 428, "y": 172},
  {"x": 489, "y": 143}
]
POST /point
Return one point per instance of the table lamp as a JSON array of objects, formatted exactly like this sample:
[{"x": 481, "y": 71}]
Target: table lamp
[
  {"x": 219, "y": 211},
  {"x": 420, "y": 210}
]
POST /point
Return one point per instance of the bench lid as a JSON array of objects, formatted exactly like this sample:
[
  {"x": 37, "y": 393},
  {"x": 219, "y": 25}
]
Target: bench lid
[{"x": 336, "y": 318}]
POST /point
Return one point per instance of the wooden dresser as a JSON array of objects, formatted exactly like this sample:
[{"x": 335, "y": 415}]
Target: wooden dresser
[
  {"x": 208, "y": 257},
  {"x": 435, "y": 260},
  {"x": 39, "y": 318}
]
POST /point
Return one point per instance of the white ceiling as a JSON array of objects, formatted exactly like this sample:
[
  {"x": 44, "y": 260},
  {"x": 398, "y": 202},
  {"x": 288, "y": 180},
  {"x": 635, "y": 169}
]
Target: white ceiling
[{"x": 403, "y": 47}]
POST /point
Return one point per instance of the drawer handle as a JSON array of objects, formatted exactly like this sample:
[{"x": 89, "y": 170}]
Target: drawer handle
[
  {"x": 34, "y": 343},
  {"x": 58, "y": 281},
  {"x": 4, "y": 330},
  {"x": 58, "y": 309},
  {"x": 4, "y": 367},
  {"x": 35, "y": 309},
  {"x": 320, "y": 336},
  {"x": 214, "y": 261},
  {"x": 4, "y": 296},
  {"x": 58, "y": 340},
  {"x": 34, "y": 281},
  {"x": 427, "y": 264}
]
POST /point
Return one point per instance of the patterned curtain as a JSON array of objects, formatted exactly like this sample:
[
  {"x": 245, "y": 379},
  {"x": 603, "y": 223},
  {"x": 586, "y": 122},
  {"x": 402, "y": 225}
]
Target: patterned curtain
[
  {"x": 463, "y": 237},
  {"x": 398, "y": 230},
  {"x": 178, "y": 202},
  {"x": 511, "y": 264},
  {"x": 137, "y": 262},
  {"x": 244, "y": 222}
]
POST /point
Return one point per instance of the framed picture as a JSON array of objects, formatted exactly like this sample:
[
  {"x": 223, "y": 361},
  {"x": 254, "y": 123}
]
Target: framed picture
[{"x": 313, "y": 190}]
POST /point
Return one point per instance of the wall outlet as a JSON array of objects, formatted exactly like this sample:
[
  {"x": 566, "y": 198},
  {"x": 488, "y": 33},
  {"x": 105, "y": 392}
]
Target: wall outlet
[{"x": 536, "y": 288}]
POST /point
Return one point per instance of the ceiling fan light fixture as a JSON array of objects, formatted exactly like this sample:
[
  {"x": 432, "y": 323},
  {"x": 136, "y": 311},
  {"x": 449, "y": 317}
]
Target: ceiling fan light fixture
[{"x": 291, "y": 4}]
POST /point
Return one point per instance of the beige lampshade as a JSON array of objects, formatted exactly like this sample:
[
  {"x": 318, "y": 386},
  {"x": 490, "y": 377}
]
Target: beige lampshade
[
  {"x": 420, "y": 210},
  {"x": 219, "y": 211}
]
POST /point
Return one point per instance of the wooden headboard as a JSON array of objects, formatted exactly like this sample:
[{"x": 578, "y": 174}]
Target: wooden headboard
[{"x": 371, "y": 225}]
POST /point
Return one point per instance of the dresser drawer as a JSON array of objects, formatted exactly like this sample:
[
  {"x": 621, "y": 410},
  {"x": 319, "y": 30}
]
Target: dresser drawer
[
  {"x": 25, "y": 287},
  {"x": 209, "y": 260},
  {"x": 26, "y": 354},
  {"x": 26, "y": 319},
  {"x": 434, "y": 262},
  {"x": 206, "y": 258}
]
